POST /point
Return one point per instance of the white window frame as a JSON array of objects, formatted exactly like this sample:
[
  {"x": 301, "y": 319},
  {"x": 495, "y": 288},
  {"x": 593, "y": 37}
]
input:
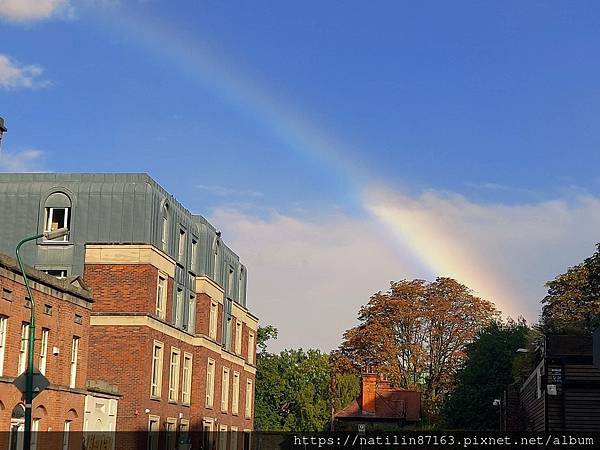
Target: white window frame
[
  {"x": 251, "y": 348},
  {"x": 66, "y": 432},
  {"x": 213, "y": 319},
  {"x": 186, "y": 384},
  {"x": 235, "y": 400},
  {"x": 179, "y": 307},
  {"x": 171, "y": 433},
  {"x": 49, "y": 215},
  {"x": 249, "y": 396},
  {"x": 165, "y": 229},
  {"x": 157, "y": 368},
  {"x": 210, "y": 383},
  {"x": 225, "y": 389},
  {"x": 194, "y": 254},
  {"x": 174, "y": 369},
  {"x": 22, "y": 365},
  {"x": 230, "y": 282},
  {"x": 3, "y": 332},
  {"x": 35, "y": 428},
  {"x": 153, "y": 431},
  {"x": 238, "y": 336},
  {"x": 44, "y": 350},
  {"x": 74, "y": 357},
  {"x": 161, "y": 295},
  {"x": 191, "y": 326}
]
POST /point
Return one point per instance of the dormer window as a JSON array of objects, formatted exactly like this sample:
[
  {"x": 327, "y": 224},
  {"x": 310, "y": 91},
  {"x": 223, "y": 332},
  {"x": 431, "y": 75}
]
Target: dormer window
[{"x": 57, "y": 213}]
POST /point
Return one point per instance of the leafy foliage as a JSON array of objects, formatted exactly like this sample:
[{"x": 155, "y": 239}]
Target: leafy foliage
[
  {"x": 573, "y": 301},
  {"x": 485, "y": 375},
  {"x": 416, "y": 334}
]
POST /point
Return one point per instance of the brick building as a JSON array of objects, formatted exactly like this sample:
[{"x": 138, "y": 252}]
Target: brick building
[
  {"x": 169, "y": 324},
  {"x": 61, "y": 354}
]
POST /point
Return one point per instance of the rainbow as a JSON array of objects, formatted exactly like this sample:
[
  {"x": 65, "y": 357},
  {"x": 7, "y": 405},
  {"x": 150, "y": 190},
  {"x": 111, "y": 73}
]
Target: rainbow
[{"x": 413, "y": 229}]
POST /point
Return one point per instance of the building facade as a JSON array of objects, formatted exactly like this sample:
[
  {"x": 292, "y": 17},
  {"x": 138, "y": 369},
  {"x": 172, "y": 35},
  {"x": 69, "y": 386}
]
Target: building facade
[
  {"x": 169, "y": 324},
  {"x": 61, "y": 354}
]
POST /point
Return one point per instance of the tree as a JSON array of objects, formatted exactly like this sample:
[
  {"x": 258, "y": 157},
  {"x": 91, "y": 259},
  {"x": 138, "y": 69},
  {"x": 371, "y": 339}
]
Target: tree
[
  {"x": 573, "y": 301},
  {"x": 484, "y": 377},
  {"x": 292, "y": 388},
  {"x": 416, "y": 334}
]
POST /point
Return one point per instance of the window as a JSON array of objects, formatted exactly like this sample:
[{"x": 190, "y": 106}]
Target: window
[
  {"x": 165, "y": 229},
  {"x": 44, "y": 350},
  {"x": 3, "y": 327},
  {"x": 58, "y": 273},
  {"x": 7, "y": 294},
  {"x": 241, "y": 287},
  {"x": 248, "y": 399},
  {"x": 48, "y": 310},
  {"x": 174, "y": 375},
  {"x": 222, "y": 436},
  {"x": 192, "y": 314},
  {"x": 210, "y": 383},
  {"x": 234, "y": 437},
  {"x": 225, "y": 390},
  {"x": 182, "y": 242},
  {"x": 57, "y": 213},
  {"x": 66, "y": 432},
  {"x": 153, "y": 430},
  {"x": 235, "y": 400},
  {"x": 230, "y": 282},
  {"x": 238, "y": 337},
  {"x": 194, "y": 255},
  {"x": 157, "y": 362},
  {"x": 74, "y": 352},
  {"x": 23, "y": 349},
  {"x": 212, "y": 326},
  {"x": 161, "y": 296},
  {"x": 78, "y": 319},
  {"x": 179, "y": 307},
  {"x": 35, "y": 427},
  {"x": 216, "y": 262},
  {"x": 171, "y": 437},
  {"x": 186, "y": 389},
  {"x": 251, "y": 348}
]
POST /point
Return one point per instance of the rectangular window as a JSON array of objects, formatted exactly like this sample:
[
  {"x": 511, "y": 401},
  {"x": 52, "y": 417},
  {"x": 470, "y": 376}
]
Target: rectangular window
[
  {"x": 234, "y": 437},
  {"x": 23, "y": 348},
  {"x": 223, "y": 436},
  {"x": 171, "y": 437},
  {"x": 7, "y": 294},
  {"x": 230, "y": 282},
  {"x": 165, "y": 234},
  {"x": 44, "y": 350},
  {"x": 241, "y": 287},
  {"x": 186, "y": 389},
  {"x": 225, "y": 390},
  {"x": 3, "y": 328},
  {"x": 179, "y": 307},
  {"x": 157, "y": 364},
  {"x": 238, "y": 337},
  {"x": 161, "y": 297},
  {"x": 182, "y": 242},
  {"x": 174, "y": 375},
  {"x": 235, "y": 400},
  {"x": 194, "y": 255},
  {"x": 212, "y": 330},
  {"x": 248, "y": 399},
  {"x": 35, "y": 427},
  {"x": 48, "y": 310},
  {"x": 191, "y": 314},
  {"x": 78, "y": 319},
  {"x": 251, "y": 348},
  {"x": 57, "y": 218},
  {"x": 74, "y": 354},
  {"x": 153, "y": 430},
  {"x": 66, "y": 433},
  {"x": 210, "y": 383}
]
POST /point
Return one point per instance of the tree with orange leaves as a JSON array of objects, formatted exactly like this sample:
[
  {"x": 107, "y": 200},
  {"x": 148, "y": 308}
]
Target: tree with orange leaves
[{"x": 416, "y": 333}]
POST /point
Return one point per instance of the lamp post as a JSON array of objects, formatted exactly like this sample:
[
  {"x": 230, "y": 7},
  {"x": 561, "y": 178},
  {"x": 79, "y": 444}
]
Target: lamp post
[{"x": 29, "y": 379}]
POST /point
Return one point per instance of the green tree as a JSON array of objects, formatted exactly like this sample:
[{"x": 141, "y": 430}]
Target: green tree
[
  {"x": 573, "y": 301},
  {"x": 484, "y": 376}
]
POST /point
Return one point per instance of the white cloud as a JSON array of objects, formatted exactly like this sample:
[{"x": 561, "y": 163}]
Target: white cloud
[
  {"x": 309, "y": 277},
  {"x": 14, "y": 75},
  {"x": 25, "y": 161},
  {"x": 32, "y": 10}
]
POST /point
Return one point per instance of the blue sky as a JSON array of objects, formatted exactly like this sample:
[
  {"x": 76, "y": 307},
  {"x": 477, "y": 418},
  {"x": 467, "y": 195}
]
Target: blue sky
[{"x": 399, "y": 139}]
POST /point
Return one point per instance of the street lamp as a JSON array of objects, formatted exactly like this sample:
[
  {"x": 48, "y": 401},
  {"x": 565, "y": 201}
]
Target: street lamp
[{"x": 29, "y": 378}]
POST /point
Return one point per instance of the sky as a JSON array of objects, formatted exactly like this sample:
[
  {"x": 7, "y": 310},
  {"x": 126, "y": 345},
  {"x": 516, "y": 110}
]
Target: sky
[{"x": 338, "y": 146}]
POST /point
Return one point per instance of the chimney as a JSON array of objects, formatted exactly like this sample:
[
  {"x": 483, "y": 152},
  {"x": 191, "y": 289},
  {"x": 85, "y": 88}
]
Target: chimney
[{"x": 367, "y": 399}]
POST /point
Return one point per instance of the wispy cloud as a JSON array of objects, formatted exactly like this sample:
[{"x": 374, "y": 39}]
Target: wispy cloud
[
  {"x": 31, "y": 160},
  {"x": 320, "y": 270},
  {"x": 222, "y": 191},
  {"x": 14, "y": 75},
  {"x": 33, "y": 10}
]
